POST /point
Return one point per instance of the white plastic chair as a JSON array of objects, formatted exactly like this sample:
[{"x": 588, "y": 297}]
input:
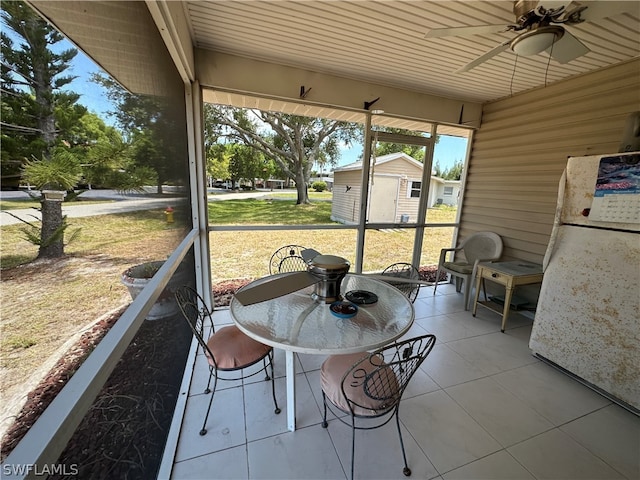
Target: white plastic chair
[{"x": 478, "y": 247}]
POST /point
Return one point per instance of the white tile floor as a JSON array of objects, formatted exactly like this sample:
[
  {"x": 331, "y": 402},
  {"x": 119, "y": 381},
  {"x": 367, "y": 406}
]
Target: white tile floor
[{"x": 482, "y": 407}]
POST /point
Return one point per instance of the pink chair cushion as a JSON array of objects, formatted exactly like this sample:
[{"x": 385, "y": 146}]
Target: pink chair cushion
[
  {"x": 233, "y": 349},
  {"x": 383, "y": 384}
]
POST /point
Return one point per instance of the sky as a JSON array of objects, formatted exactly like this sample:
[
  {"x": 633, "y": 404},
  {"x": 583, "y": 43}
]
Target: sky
[{"x": 92, "y": 95}]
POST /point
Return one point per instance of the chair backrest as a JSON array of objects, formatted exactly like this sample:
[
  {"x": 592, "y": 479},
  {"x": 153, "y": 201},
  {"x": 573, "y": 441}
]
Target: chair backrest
[
  {"x": 404, "y": 270},
  {"x": 287, "y": 259},
  {"x": 482, "y": 245},
  {"x": 197, "y": 314},
  {"x": 375, "y": 384}
]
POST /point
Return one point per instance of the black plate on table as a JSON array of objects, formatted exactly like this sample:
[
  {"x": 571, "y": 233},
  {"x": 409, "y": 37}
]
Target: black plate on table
[
  {"x": 343, "y": 309},
  {"x": 361, "y": 297}
]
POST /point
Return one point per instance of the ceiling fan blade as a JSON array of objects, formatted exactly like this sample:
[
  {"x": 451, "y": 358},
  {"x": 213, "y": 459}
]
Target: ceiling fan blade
[
  {"x": 568, "y": 48},
  {"x": 309, "y": 254},
  {"x": 483, "y": 58},
  {"x": 275, "y": 287},
  {"x": 466, "y": 31}
]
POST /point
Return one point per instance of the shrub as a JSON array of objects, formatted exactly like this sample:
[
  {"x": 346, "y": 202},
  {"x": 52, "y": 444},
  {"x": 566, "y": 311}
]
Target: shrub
[{"x": 319, "y": 186}]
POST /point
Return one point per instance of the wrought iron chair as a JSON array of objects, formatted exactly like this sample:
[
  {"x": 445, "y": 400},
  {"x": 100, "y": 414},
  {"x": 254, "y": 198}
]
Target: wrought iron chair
[
  {"x": 287, "y": 259},
  {"x": 478, "y": 247},
  {"x": 227, "y": 350},
  {"x": 370, "y": 385},
  {"x": 404, "y": 270}
]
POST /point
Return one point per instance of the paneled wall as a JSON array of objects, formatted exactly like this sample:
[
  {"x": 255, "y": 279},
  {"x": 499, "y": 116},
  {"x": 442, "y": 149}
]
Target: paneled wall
[{"x": 520, "y": 152}]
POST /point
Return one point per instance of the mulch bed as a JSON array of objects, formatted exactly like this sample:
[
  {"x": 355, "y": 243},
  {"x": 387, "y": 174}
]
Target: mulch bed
[
  {"x": 39, "y": 398},
  {"x": 223, "y": 291},
  {"x": 124, "y": 432},
  {"x": 428, "y": 274}
]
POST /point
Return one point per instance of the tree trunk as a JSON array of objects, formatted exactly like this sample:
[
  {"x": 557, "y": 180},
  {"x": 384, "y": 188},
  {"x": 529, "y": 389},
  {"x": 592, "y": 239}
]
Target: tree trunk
[
  {"x": 51, "y": 223},
  {"x": 303, "y": 195}
]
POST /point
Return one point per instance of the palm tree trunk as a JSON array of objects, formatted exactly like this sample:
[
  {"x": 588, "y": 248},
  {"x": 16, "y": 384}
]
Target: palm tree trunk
[{"x": 51, "y": 236}]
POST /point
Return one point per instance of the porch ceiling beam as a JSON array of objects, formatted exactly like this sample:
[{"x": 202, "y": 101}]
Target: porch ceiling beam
[
  {"x": 172, "y": 24},
  {"x": 259, "y": 78}
]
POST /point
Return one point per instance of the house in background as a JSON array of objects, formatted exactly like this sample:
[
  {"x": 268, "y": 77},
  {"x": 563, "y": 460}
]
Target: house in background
[
  {"x": 394, "y": 193},
  {"x": 448, "y": 191},
  {"x": 274, "y": 184}
]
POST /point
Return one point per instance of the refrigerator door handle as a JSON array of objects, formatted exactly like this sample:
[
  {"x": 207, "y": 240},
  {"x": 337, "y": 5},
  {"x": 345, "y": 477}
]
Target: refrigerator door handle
[{"x": 557, "y": 221}]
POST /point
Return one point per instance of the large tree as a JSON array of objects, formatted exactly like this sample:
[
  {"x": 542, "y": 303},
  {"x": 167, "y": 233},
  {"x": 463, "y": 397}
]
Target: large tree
[
  {"x": 246, "y": 164},
  {"x": 453, "y": 173},
  {"x": 32, "y": 79},
  {"x": 149, "y": 127},
  {"x": 293, "y": 142}
]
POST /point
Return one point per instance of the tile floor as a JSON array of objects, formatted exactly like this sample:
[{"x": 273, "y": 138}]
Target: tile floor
[{"x": 481, "y": 407}]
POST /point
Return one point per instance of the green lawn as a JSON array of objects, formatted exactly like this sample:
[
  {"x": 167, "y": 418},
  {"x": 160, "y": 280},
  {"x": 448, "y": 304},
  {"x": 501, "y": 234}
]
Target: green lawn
[
  {"x": 123, "y": 236},
  {"x": 246, "y": 254},
  {"x": 268, "y": 212}
]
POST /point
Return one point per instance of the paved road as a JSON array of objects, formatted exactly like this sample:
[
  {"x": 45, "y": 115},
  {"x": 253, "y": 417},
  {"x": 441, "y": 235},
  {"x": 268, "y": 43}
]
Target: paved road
[{"x": 128, "y": 202}]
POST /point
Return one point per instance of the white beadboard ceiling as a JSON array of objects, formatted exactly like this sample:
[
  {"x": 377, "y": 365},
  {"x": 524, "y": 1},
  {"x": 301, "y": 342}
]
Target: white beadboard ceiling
[{"x": 384, "y": 42}]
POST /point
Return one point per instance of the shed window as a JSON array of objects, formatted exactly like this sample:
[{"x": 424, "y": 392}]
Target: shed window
[
  {"x": 414, "y": 190},
  {"x": 448, "y": 191}
]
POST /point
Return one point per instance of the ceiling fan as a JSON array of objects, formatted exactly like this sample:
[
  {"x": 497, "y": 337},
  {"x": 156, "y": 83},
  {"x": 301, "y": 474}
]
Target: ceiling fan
[
  {"x": 541, "y": 26},
  {"x": 324, "y": 271}
]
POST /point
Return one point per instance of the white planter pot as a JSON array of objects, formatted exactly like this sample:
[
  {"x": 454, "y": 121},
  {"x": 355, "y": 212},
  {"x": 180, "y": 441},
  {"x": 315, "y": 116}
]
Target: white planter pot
[{"x": 165, "y": 306}]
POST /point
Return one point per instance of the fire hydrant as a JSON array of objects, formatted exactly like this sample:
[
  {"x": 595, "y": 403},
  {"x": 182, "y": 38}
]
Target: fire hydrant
[{"x": 169, "y": 214}]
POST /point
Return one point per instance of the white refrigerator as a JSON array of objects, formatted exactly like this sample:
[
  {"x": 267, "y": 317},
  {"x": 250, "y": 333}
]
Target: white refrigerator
[{"x": 588, "y": 316}]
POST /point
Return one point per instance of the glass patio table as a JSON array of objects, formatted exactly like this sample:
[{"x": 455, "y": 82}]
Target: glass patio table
[{"x": 297, "y": 323}]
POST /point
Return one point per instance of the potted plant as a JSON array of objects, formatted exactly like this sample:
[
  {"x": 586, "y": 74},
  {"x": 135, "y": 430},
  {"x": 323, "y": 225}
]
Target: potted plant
[{"x": 137, "y": 277}]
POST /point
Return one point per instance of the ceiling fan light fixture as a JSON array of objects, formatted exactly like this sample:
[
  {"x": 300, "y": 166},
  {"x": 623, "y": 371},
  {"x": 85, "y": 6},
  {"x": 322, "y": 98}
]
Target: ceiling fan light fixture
[{"x": 536, "y": 41}]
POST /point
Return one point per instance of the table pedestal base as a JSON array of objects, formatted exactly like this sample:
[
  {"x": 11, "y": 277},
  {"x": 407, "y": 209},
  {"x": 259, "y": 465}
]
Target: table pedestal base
[{"x": 291, "y": 389}]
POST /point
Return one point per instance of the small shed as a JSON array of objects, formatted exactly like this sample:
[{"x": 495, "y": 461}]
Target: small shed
[{"x": 394, "y": 192}]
